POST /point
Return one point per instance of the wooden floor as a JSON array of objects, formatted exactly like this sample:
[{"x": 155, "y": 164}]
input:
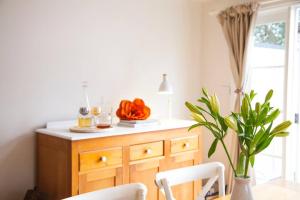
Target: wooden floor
[{"x": 274, "y": 190}]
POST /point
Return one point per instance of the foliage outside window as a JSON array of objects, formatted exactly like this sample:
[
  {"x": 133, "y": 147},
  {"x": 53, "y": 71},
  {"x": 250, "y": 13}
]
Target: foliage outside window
[{"x": 270, "y": 35}]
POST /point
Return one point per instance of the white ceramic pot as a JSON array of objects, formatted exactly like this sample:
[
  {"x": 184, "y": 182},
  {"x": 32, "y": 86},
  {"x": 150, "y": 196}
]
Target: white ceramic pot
[{"x": 242, "y": 189}]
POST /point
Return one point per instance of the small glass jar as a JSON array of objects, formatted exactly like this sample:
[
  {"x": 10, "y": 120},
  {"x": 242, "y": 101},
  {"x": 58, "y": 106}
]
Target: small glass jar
[
  {"x": 96, "y": 111},
  {"x": 105, "y": 119}
]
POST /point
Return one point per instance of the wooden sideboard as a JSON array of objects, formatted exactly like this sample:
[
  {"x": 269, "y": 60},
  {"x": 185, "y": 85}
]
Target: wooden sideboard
[{"x": 69, "y": 167}]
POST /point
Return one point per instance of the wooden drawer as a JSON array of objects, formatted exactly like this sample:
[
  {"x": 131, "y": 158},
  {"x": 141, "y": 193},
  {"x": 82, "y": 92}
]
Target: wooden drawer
[
  {"x": 184, "y": 144},
  {"x": 148, "y": 150},
  {"x": 101, "y": 158}
]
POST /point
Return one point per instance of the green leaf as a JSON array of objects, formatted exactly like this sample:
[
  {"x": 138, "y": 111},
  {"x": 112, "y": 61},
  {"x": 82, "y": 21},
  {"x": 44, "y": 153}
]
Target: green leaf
[
  {"x": 192, "y": 108},
  {"x": 262, "y": 141},
  {"x": 231, "y": 123},
  {"x": 222, "y": 123},
  {"x": 260, "y": 138},
  {"x": 282, "y": 127},
  {"x": 198, "y": 118},
  {"x": 248, "y": 98},
  {"x": 252, "y": 94},
  {"x": 240, "y": 128},
  {"x": 257, "y": 137},
  {"x": 212, "y": 148},
  {"x": 245, "y": 109},
  {"x": 262, "y": 115},
  {"x": 272, "y": 116},
  {"x": 264, "y": 145},
  {"x": 252, "y": 160},
  {"x": 203, "y": 100},
  {"x": 265, "y": 135},
  {"x": 256, "y": 140},
  {"x": 194, "y": 126},
  {"x": 236, "y": 116},
  {"x": 207, "y": 103},
  {"x": 204, "y": 91},
  {"x": 269, "y": 128},
  {"x": 269, "y": 95},
  {"x": 245, "y": 137},
  {"x": 215, "y": 132},
  {"x": 216, "y": 128},
  {"x": 203, "y": 110},
  {"x": 214, "y": 103},
  {"x": 281, "y": 134},
  {"x": 257, "y": 107}
]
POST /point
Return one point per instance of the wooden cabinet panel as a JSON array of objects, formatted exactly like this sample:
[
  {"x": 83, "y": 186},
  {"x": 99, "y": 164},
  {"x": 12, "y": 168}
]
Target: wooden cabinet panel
[
  {"x": 100, "y": 158},
  {"x": 184, "y": 144},
  {"x": 145, "y": 173},
  {"x": 99, "y": 179},
  {"x": 67, "y": 168},
  {"x": 53, "y": 164},
  {"x": 148, "y": 150}
]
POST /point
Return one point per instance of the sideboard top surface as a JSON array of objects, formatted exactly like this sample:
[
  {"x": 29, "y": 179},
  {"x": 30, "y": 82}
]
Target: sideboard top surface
[{"x": 61, "y": 129}]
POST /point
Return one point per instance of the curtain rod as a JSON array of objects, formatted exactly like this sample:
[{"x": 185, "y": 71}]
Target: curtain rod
[{"x": 264, "y": 4}]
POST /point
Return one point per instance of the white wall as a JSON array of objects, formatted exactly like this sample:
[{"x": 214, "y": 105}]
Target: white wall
[{"x": 121, "y": 47}]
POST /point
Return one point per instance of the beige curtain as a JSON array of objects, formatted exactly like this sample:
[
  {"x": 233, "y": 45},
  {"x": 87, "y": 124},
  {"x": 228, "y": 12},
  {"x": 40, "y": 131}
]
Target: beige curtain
[{"x": 237, "y": 23}]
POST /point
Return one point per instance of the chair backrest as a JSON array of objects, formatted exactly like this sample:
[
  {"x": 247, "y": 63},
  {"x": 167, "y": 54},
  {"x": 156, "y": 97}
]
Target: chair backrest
[
  {"x": 134, "y": 191},
  {"x": 212, "y": 171}
]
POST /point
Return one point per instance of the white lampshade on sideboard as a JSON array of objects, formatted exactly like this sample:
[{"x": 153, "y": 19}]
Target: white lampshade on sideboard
[{"x": 166, "y": 88}]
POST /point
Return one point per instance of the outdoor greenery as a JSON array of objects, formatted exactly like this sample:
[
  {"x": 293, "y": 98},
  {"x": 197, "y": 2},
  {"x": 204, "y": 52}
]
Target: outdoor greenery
[
  {"x": 253, "y": 126},
  {"x": 270, "y": 34}
]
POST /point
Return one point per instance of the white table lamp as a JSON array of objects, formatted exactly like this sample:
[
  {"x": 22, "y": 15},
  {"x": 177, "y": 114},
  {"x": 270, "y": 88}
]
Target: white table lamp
[{"x": 165, "y": 88}]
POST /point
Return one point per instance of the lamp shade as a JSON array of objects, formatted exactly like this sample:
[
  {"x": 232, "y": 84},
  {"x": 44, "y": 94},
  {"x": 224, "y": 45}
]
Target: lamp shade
[{"x": 165, "y": 87}]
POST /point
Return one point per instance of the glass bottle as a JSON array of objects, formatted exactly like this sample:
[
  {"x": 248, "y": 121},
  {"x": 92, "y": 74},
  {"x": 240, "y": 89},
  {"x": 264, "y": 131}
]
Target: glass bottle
[{"x": 84, "y": 117}]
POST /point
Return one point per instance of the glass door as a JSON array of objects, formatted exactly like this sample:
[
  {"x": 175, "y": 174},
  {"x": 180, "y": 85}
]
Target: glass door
[
  {"x": 292, "y": 172},
  {"x": 268, "y": 70}
]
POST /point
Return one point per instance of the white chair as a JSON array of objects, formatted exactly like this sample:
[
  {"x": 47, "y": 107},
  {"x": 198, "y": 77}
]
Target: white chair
[
  {"x": 134, "y": 191},
  {"x": 214, "y": 171}
]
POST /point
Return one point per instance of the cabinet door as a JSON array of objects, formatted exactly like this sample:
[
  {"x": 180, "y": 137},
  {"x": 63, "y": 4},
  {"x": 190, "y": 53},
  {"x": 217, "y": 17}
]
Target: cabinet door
[
  {"x": 187, "y": 191},
  {"x": 145, "y": 173},
  {"x": 182, "y": 152},
  {"x": 99, "y": 179}
]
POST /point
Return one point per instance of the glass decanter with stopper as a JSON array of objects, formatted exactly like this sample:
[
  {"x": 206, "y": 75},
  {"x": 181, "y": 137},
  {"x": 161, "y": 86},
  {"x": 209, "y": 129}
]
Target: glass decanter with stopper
[{"x": 84, "y": 117}]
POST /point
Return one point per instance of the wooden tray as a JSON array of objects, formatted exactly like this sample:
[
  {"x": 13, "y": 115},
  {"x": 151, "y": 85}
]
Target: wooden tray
[{"x": 77, "y": 129}]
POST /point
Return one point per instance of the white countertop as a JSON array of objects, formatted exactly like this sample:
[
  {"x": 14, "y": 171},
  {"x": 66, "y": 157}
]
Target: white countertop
[{"x": 61, "y": 129}]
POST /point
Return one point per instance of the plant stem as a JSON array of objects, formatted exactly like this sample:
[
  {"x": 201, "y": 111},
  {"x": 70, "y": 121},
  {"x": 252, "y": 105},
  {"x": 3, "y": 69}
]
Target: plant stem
[
  {"x": 228, "y": 156},
  {"x": 247, "y": 166}
]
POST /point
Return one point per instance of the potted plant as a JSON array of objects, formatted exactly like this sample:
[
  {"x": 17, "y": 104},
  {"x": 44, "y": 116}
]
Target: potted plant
[{"x": 254, "y": 128}]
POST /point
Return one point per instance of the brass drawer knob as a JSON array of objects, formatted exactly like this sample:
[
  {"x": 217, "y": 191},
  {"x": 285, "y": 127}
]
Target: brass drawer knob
[
  {"x": 148, "y": 151},
  {"x": 186, "y": 145},
  {"x": 103, "y": 158}
]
